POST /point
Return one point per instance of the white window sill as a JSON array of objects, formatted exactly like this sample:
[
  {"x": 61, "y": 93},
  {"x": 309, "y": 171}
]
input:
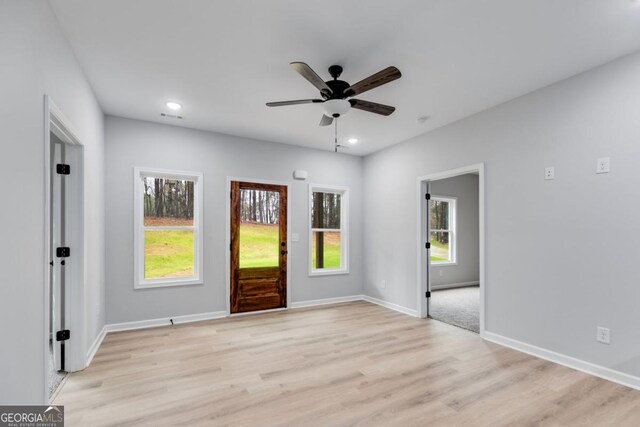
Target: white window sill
[
  {"x": 327, "y": 272},
  {"x": 168, "y": 283},
  {"x": 443, "y": 264}
]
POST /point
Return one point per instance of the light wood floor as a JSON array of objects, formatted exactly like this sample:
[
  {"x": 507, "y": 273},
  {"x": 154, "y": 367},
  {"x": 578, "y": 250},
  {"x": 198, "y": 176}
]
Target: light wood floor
[{"x": 347, "y": 364}]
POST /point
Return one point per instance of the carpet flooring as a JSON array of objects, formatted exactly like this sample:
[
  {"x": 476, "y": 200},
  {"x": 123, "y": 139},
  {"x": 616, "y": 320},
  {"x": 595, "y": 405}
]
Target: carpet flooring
[{"x": 458, "y": 307}]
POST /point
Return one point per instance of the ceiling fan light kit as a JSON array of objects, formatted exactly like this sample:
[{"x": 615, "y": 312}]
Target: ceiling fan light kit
[{"x": 336, "y": 107}]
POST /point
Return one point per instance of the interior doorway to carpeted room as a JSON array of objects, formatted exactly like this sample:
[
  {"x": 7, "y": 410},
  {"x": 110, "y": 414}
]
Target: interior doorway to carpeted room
[{"x": 454, "y": 255}]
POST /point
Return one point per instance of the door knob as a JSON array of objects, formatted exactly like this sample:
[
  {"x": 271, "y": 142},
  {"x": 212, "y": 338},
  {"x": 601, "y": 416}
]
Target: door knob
[{"x": 283, "y": 252}]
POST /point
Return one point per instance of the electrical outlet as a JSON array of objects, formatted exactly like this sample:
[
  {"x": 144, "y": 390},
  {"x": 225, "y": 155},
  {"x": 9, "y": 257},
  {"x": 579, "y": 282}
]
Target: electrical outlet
[
  {"x": 603, "y": 335},
  {"x": 295, "y": 237},
  {"x": 441, "y": 273},
  {"x": 549, "y": 172},
  {"x": 603, "y": 165},
  {"x": 383, "y": 284}
]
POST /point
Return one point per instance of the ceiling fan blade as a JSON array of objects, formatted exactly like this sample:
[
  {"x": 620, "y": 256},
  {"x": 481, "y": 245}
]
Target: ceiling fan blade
[
  {"x": 299, "y": 101},
  {"x": 380, "y": 78},
  {"x": 326, "y": 120},
  {"x": 305, "y": 71},
  {"x": 372, "y": 107}
]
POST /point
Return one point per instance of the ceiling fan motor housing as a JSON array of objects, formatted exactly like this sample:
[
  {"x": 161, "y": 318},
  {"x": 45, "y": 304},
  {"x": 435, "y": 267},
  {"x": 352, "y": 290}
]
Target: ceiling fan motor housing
[{"x": 338, "y": 87}]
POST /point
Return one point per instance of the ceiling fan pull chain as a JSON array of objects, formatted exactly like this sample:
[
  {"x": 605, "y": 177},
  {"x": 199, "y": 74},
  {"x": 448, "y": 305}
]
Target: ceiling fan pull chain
[{"x": 336, "y": 137}]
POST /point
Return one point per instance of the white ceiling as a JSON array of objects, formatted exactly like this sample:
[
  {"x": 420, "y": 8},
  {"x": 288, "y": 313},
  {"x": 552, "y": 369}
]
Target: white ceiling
[{"x": 224, "y": 59}]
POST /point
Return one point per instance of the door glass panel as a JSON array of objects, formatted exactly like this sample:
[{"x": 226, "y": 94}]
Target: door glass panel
[
  {"x": 259, "y": 228},
  {"x": 325, "y": 249},
  {"x": 440, "y": 246},
  {"x": 168, "y": 253}
]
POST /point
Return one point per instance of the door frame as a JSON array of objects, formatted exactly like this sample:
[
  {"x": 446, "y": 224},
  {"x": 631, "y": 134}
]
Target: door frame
[
  {"x": 423, "y": 269},
  {"x": 75, "y": 358},
  {"x": 228, "y": 243}
]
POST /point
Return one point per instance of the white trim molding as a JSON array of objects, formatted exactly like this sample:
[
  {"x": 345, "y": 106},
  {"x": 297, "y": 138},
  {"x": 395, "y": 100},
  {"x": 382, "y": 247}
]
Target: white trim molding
[
  {"x": 352, "y": 298},
  {"x": 164, "y": 321},
  {"x": 326, "y": 301},
  {"x": 55, "y": 122},
  {"x": 568, "y": 361},
  {"x": 96, "y": 345},
  {"x": 139, "y": 281},
  {"x": 423, "y": 263},
  {"x": 391, "y": 306},
  {"x": 343, "y": 192}
]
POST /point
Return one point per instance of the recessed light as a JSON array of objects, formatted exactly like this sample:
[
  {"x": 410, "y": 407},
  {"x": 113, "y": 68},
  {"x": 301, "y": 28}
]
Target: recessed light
[
  {"x": 352, "y": 140},
  {"x": 173, "y": 106}
]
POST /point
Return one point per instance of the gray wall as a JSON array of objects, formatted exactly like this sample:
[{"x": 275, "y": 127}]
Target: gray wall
[
  {"x": 131, "y": 143},
  {"x": 35, "y": 60},
  {"x": 561, "y": 256},
  {"x": 467, "y": 267}
]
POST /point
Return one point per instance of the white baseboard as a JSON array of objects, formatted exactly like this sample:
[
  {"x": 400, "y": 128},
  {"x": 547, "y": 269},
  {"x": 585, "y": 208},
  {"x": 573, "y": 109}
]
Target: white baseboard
[
  {"x": 325, "y": 301},
  {"x": 454, "y": 285},
  {"x": 152, "y": 323},
  {"x": 96, "y": 345},
  {"x": 367, "y": 298},
  {"x": 256, "y": 313},
  {"x": 392, "y": 306},
  {"x": 571, "y": 362}
]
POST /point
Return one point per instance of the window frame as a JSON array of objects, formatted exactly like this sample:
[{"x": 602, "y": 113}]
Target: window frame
[
  {"x": 139, "y": 228},
  {"x": 344, "y": 230},
  {"x": 453, "y": 230}
]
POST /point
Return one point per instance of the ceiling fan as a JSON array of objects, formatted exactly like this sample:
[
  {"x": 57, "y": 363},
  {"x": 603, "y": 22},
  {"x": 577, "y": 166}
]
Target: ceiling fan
[{"x": 334, "y": 93}]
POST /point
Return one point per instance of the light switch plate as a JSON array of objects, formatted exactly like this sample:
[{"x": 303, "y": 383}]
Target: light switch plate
[{"x": 603, "y": 165}]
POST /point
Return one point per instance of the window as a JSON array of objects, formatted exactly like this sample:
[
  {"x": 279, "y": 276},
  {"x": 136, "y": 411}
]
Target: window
[
  {"x": 328, "y": 236},
  {"x": 442, "y": 227},
  {"x": 168, "y": 232}
]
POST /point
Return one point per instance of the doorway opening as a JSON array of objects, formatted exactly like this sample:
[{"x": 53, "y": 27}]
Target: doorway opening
[
  {"x": 64, "y": 251},
  {"x": 258, "y": 247},
  {"x": 57, "y": 272},
  {"x": 451, "y": 261}
]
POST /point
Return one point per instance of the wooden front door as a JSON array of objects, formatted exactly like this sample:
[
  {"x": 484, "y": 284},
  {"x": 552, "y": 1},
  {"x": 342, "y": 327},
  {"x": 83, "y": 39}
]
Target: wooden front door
[{"x": 258, "y": 246}]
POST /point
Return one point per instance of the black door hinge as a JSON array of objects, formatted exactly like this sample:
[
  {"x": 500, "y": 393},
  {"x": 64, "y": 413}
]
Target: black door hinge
[
  {"x": 63, "y": 252},
  {"x": 63, "y": 335},
  {"x": 427, "y": 245},
  {"x": 63, "y": 169},
  {"x": 428, "y": 294},
  {"x": 427, "y": 196}
]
